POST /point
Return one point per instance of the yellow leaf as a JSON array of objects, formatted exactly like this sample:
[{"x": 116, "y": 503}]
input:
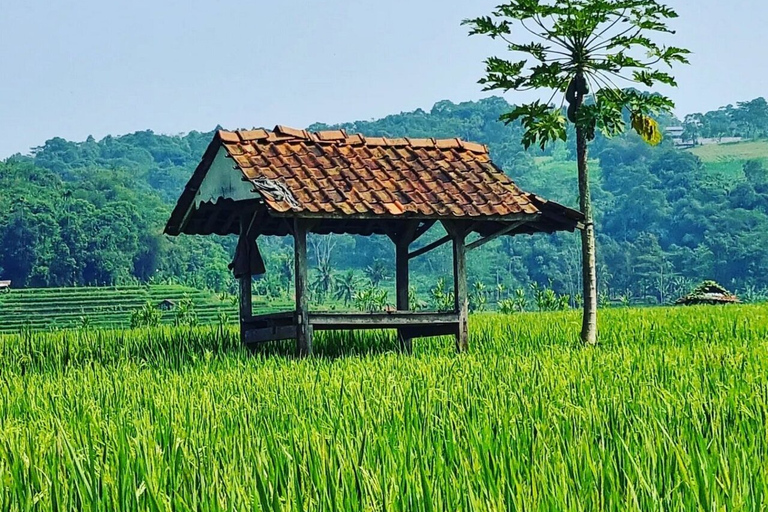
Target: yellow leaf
[{"x": 647, "y": 128}]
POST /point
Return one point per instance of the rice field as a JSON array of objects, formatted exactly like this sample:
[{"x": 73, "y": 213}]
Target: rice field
[{"x": 668, "y": 413}]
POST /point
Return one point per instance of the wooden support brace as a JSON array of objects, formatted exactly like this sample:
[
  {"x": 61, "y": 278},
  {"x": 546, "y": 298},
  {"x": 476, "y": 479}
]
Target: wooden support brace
[
  {"x": 430, "y": 247},
  {"x": 504, "y": 231},
  {"x": 425, "y": 226}
]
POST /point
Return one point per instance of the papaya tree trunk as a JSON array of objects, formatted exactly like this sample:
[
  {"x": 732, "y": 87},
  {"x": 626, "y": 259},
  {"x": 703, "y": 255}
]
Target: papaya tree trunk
[{"x": 588, "y": 247}]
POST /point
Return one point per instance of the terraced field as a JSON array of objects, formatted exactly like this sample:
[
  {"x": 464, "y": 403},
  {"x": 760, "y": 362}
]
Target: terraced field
[{"x": 54, "y": 308}]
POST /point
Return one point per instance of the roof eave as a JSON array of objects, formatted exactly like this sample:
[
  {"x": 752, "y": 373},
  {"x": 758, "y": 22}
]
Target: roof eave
[{"x": 186, "y": 202}]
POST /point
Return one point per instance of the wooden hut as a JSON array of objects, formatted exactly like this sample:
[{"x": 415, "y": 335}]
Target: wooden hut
[
  {"x": 709, "y": 293},
  {"x": 293, "y": 182},
  {"x": 166, "y": 305}
]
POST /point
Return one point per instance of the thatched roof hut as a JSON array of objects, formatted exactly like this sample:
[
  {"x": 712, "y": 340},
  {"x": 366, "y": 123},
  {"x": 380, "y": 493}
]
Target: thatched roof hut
[{"x": 708, "y": 292}]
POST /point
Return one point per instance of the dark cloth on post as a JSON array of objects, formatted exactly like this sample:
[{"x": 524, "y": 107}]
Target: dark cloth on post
[{"x": 248, "y": 260}]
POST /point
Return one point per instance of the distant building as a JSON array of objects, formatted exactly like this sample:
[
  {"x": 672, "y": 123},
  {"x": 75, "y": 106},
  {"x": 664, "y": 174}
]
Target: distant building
[
  {"x": 708, "y": 292},
  {"x": 675, "y": 134},
  {"x": 166, "y": 305},
  {"x": 5, "y": 285}
]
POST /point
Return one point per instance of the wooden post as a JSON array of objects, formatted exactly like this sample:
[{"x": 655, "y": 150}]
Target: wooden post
[
  {"x": 403, "y": 237},
  {"x": 303, "y": 328},
  {"x": 402, "y": 280},
  {"x": 461, "y": 300},
  {"x": 246, "y": 298}
]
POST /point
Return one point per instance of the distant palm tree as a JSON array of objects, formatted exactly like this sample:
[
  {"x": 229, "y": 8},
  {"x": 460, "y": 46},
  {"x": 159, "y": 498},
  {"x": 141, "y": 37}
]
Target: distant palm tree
[
  {"x": 346, "y": 287},
  {"x": 324, "y": 281},
  {"x": 377, "y": 272}
]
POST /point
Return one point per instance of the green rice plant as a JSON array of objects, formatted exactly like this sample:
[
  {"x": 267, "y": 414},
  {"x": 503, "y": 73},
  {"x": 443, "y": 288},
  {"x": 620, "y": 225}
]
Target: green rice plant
[{"x": 667, "y": 413}]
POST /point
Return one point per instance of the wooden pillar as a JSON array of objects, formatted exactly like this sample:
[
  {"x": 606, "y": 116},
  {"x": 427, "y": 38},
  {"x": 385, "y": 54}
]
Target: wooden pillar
[
  {"x": 402, "y": 283},
  {"x": 303, "y": 329},
  {"x": 461, "y": 300},
  {"x": 246, "y": 297}
]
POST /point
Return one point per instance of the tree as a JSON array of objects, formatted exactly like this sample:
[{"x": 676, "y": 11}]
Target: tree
[
  {"x": 580, "y": 49},
  {"x": 346, "y": 287},
  {"x": 376, "y": 273}
]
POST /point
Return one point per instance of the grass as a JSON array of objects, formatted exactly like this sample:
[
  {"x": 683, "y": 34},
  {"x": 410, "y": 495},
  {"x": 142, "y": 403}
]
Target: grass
[
  {"x": 669, "y": 413},
  {"x": 729, "y": 159}
]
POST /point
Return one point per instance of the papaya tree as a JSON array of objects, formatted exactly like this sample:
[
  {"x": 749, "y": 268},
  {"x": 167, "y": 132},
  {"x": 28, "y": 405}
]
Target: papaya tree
[{"x": 591, "y": 55}]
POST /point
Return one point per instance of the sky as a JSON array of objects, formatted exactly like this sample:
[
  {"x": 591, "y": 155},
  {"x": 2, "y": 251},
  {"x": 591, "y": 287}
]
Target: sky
[{"x": 74, "y": 68}]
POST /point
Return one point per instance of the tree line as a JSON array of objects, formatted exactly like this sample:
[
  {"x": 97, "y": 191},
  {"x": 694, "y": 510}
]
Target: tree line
[{"x": 92, "y": 213}]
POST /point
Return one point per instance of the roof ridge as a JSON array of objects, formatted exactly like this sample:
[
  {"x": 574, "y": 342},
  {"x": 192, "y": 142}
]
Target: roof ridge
[{"x": 282, "y": 133}]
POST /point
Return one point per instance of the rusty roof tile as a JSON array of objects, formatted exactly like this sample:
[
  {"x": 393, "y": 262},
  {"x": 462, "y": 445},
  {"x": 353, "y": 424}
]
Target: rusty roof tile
[
  {"x": 292, "y": 132},
  {"x": 331, "y": 135},
  {"x": 226, "y": 136},
  {"x": 249, "y": 135},
  {"x": 396, "y": 143},
  {"x": 473, "y": 147},
  {"x": 421, "y": 143},
  {"x": 354, "y": 140},
  {"x": 447, "y": 144},
  {"x": 376, "y": 141},
  {"x": 394, "y": 208}
]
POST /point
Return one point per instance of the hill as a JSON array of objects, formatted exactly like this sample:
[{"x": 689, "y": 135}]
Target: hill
[{"x": 92, "y": 213}]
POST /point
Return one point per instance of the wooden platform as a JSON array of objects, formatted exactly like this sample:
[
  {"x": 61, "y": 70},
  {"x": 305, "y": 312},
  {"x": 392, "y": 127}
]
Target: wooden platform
[{"x": 284, "y": 325}]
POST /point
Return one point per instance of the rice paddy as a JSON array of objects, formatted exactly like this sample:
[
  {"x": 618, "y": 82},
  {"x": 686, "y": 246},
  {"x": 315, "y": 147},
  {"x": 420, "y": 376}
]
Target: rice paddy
[{"x": 668, "y": 413}]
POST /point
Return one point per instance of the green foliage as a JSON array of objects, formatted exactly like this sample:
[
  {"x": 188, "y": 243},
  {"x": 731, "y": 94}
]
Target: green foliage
[
  {"x": 185, "y": 313},
  {"x": 146, "y": 316},
  {"x": 706, "y": 224},
  {"x": 748, "y": 119},
  {"x": 377, "y": 272},
  {"x": 667, "y": 414},
  {"x": 581, "y": 46},
  {"x": 346, "y": 287},
  {"x": 371, "y": 299},
  {"x": 478, "y": 297},
  {"x": 440, "y": 298}
]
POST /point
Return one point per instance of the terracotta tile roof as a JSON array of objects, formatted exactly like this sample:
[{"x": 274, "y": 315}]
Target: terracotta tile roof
[{"x": 333, "y": 172}]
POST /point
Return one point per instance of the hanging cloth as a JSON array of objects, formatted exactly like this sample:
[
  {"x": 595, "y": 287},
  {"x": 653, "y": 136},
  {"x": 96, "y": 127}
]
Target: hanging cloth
[{"x": 248, "y": 260}]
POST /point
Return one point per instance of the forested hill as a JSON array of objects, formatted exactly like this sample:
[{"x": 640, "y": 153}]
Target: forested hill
[{"x": 92, "y": 212}]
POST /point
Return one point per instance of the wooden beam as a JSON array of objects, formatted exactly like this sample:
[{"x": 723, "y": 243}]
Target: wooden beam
[
  {"x": 401, "y": 232},
  {"x": 387, "y": 217},
  {"x": 246, "y": 298},
  {"x": 326, "y": 321},
  {"x": 303, "y": 327},
  {"x": 482, "y": 241},
  {"x": 229, "y": 221},
  {"x": 460, "y": 296},
  {"x": 429, "y": 247},
  {"x": 425, "y": 226},
  {"x": 431, "y": 330},
  {"x": 402, "y": 284},
  {"x": 252, "y": 336}
]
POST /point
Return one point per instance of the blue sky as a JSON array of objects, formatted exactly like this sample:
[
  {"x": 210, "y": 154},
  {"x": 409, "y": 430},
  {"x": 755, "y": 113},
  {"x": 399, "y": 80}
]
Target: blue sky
[{"x": 74, "y": 68}]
